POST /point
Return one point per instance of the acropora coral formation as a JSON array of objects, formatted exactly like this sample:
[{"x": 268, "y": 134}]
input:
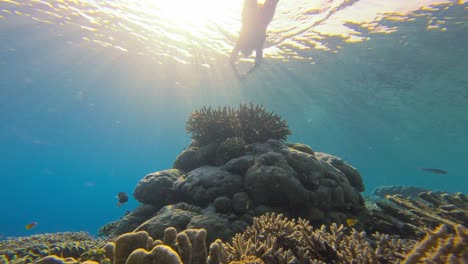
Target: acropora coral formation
[
  {"x": 250, "y": 122},
  {"x": 409, "y": 217}
]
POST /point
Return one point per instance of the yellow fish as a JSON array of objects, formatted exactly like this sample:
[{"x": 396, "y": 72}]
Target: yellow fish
[
  {"x": 351, "y": 221},
  {"x": 31, "y": 225}
]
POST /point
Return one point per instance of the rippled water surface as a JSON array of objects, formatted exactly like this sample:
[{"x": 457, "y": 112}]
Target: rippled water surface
[{"x": 95, "y": 94}]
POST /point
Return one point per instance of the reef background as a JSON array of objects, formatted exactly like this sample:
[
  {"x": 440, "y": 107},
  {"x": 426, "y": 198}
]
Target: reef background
[{"x": 80, "y": 122}]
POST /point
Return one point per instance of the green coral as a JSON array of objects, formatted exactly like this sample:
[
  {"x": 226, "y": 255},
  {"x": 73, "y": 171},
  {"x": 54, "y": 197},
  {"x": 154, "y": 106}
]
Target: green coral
[{"x": 250, "y": 122}]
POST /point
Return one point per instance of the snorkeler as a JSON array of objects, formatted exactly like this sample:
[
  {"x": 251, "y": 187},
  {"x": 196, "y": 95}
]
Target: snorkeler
[{"x": 255, "y": 20}]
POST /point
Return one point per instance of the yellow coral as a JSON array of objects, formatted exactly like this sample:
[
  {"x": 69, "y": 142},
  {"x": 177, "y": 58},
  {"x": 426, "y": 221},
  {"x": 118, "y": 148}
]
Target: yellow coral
[{"x": 441, "y": 247}]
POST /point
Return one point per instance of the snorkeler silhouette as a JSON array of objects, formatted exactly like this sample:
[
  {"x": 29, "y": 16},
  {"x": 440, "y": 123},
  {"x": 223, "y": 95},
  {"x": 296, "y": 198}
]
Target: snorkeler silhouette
[{"x": 255, "y": 20}]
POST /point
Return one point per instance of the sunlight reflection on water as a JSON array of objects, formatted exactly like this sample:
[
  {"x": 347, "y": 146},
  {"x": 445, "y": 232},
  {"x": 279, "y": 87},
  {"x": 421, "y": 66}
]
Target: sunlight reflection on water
[{"x": 184, "y": 29}]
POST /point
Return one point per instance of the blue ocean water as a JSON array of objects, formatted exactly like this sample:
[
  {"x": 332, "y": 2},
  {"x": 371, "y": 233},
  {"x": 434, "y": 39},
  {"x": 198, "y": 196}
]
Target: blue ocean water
[{"x": 95, "y": 94}]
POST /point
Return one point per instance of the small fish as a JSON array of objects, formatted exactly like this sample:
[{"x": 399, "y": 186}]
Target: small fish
[
  {"x": 31, "y": 225},
  {"x": 122, "y": 197},
  {"x": 433, "y": 170},
  {"x": 351, "y": 221}
]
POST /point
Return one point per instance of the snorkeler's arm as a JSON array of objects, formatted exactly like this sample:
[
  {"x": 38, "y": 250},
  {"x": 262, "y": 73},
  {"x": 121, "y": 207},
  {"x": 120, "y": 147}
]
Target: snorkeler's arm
[
  {"x": 233, "y": 58},
  {"x": 234, "y": 53}
]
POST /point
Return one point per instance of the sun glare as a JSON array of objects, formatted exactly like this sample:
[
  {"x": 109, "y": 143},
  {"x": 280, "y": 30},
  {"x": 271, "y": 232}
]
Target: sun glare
[
  {"x": 185, "y": 30},
  {"x": 190, "y": 12}
]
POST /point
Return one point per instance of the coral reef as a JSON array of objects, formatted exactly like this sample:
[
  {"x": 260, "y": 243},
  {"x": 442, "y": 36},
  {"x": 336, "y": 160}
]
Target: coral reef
[
  {"x": 229, "y": 149},
  {"x": 239, "y": 167},
  {"x": 252, "y": 123},
  {"x": 406, "y": 191},
  {"x": 156, "y": 188},
  {"x": 65, "y": 245},
  {"x": 231, "y": 182},
  {"x": 108, "y": 230},
  {"x": 276, "y": 239},
  {"x": 212, "y": 125},
  {"x": 439, "y": 246},
  {"x": 258, "y": 125},
  {"x": 409, "y": 217},
  {"x": 273, "y": 239}
]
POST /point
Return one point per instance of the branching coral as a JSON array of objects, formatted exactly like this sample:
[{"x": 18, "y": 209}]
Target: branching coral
[
  {"x": 275, "y": 239},
  {"x": 212, "y": 125},
  {"x": 258, "y": 125},
  {"x": 409, "y": 217},
  {"x": 250, "y": 122},
  {"x": 441, "y": 247}
]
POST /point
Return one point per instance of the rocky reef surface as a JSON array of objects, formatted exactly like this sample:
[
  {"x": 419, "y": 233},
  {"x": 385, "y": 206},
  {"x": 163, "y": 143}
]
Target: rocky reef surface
[{"x": 221, "y": 186}]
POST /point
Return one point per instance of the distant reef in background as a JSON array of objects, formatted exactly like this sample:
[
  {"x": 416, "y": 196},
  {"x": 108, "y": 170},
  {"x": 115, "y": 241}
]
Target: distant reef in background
[
  {"x": 407, "y": 191},
  {"x": 240, "y": 193}
]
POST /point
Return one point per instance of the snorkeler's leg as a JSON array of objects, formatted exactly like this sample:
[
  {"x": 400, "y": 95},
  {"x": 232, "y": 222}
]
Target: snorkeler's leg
[
  {"x": 258, "y": 59},
  {"x": 269, "y": 9},
  {"x": 249, "y": 10}
]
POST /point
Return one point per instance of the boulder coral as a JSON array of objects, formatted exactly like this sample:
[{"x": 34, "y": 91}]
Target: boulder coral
[{"x": 273, "y": 176}]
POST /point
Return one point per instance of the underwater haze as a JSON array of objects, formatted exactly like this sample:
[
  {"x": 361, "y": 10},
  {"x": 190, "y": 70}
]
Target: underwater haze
[{"x": 95, "y": 94}]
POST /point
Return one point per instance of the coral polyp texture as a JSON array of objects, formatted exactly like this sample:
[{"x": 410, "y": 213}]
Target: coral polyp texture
[{"x": 250, "y": 122}]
